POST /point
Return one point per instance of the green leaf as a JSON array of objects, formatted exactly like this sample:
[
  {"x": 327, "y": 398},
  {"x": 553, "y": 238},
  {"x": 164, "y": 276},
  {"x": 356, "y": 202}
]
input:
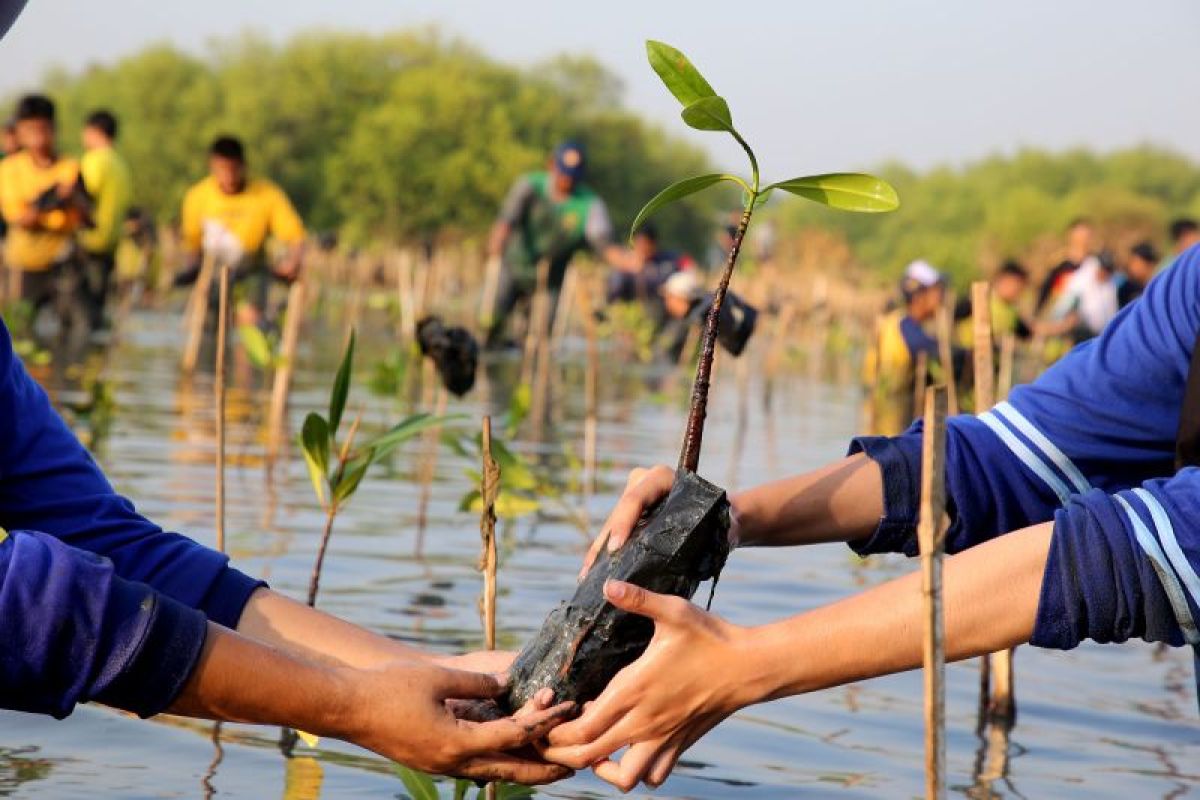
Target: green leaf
[
  {"x": 341, "y": 387},
  {"x": 508, "y": 505},
  {"x": 513, "y": 791},
  {"x": 461, "y": 787},
  {"x": 681, "y": 78},
  {"x": 454, "y": 440},
  {"x": 515, "y": 472},
  {"x": 256, "y": 345},
  {"x": 352, "y": 476},
  {"x": 677, "y": 191},
  {"x": 404, "y": 430},
  {"x": 848, "y": 191},
  {"x": 314, "y": 441},
  {"x": 518, "y": 408},
  {"x": 419, "y": 785},
  {"x": 709, "y": 114}
]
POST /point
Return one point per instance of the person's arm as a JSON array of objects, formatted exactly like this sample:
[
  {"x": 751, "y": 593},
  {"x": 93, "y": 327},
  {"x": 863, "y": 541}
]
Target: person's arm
[
  {"x": 1109, "y": 568},
  {"x": 598, "y": 230},
  {"x": 191, "y": 225},
  {"x": 397, "y": 710},
  {"x": 699, "y": 669},
  {"x": 515, "y": 205},
  {"x": 285, "y": 225}
]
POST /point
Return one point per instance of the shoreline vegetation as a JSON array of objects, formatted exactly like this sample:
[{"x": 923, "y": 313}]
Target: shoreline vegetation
[{"x": 413, "y": 137}]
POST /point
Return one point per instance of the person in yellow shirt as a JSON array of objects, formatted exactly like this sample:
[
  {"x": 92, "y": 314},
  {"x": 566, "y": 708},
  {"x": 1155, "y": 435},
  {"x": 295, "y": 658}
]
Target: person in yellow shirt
[
  {"x": 40, "y": 201},
  {"x": 1008, "y": 285},
  {"x": 228, "y": 216},
  {"x": 107, "y": 179}
]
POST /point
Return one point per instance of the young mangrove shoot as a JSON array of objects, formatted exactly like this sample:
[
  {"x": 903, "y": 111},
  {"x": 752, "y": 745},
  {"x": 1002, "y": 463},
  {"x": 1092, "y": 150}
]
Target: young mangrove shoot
[{"x": 684, "y": 541}]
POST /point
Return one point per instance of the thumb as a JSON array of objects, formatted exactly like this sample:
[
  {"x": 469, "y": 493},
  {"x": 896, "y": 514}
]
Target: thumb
[
  {"x": 464, "y": 685},
  {"x": 635, "y": 599}
]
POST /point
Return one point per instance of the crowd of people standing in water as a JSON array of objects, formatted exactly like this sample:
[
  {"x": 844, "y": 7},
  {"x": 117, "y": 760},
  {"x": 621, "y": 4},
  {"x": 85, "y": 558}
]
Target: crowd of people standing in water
[
  {"x": 1074, "y": 301},
  {"x": 1073, "y": 505}
]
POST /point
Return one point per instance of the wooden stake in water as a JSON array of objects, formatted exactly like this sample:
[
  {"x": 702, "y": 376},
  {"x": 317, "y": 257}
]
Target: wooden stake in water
[
  {"x": 282, "y": 382},
  {"x": 590, "y": 388},
  {"x": 946, "y": 357},
  {"x": 196, "y": 314},
  {"x": 931, "y": 533},
  {"x": 1004, "y": 380},
  {"x": 920, "y": 381},
  {"x": 489, "y": 488},
  {"x": 219, "y": 389}
]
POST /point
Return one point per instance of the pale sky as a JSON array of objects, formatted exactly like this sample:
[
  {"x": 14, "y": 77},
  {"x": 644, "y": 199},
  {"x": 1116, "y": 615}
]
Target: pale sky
[{"x": 815, "y": 86}]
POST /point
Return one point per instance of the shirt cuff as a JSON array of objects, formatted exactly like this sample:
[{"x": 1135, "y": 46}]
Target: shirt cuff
[
  {"x": 228, "y": 595},
  {"x": 162, "y": 639},
  {"x": 899, "y": 460}
]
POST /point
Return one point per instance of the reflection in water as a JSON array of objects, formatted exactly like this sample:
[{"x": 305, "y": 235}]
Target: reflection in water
[
  {"x": 302, "y": 778},
  {"x": 18, "y": 766},
  {"x": 207, "y": 786},
  {"x": 992, "y": 762}
]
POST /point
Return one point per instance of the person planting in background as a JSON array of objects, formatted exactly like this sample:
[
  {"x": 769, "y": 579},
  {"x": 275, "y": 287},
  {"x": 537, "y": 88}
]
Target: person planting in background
[
  {"x": 1074, "y": 514},
  {"x": 1008, "y": 286},
  {"x": 684, "y": 304},
  {"x": 1087, "y": 301},
  {"x": 228, "y": 216},
  {"x": 889, "y": 368},
  {"x": 1080, "y": 237},
  {"x": 643, "y": 276},
  {"x": 97, "y": 603},
  {"x": 549, "y": 215},
  {"x": 1139, "y": 269},
  {"x": 40, "y": 228},
  {"x": 107, "y": 179}
]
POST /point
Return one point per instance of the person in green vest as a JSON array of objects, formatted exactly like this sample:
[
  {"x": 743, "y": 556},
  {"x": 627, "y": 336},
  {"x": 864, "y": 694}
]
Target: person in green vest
[
  {"x": 107, "y": 179},
  {"x": 549, "y": 215}
]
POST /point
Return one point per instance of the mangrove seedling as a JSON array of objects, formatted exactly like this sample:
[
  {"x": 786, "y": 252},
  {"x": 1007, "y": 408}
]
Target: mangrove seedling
[
  {"x": 684, "y": 540},
  {"x": 337, "y": 468}
]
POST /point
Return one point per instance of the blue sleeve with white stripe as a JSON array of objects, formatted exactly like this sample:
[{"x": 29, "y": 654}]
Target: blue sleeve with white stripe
[
  {"x": 1124, "y": 566},
  {"x": 1105, "y": 416}
]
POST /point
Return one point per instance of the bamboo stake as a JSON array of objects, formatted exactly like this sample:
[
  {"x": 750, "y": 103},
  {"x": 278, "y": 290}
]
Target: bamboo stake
[
  {"x": 931, "y": 532},
  {"x": 1004, "y": 382},
  {"x": 562, "y": 314},
  {"x": 408, "y": 304},
  {"x": 536, "y": 324},
  {"x": 488, "y": 489},
  {"x": 920, "y": 381},
  {"x": 197, "y": 312},
  {"x": 590, "y": 385},
  {"x": 281, "y": 385},
  {"x": 219, "y": 390},
  {"x": 946, "y": 357},
  {"x": 491, "y": 288}
]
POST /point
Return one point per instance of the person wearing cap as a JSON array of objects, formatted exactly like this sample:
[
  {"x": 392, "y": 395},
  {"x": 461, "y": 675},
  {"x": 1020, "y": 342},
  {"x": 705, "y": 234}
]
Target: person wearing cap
[
  {"x": 1139, "y": 269},
  {"x": 1074, "y": 514},
  {"x": 548, "y": 215},
  {"x": 685, "y": 303},
  {"x": 889, "y": 368}
]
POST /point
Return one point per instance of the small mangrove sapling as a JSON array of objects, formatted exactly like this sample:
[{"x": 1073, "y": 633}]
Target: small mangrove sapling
[{"x": 684, "y": 540}]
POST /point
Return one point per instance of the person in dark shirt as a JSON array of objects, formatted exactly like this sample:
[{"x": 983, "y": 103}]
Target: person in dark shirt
[
  {"x": 647, "y": 271},
  {"x": 1139, "y": 269}
]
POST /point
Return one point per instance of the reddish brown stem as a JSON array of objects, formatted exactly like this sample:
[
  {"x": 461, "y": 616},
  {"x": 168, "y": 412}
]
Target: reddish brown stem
[{"x": 689, "y": 458}]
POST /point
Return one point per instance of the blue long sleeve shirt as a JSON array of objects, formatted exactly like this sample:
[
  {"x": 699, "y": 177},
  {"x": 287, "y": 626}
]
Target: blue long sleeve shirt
[
  {"x": 1090, "y": 445},
  {"x": 96, "y": 601}
]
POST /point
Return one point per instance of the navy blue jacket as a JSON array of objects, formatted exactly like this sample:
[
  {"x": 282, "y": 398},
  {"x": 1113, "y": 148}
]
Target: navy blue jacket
[
  {"x": 96, "y": 602},
  {"x": 1089, "y": 445}
]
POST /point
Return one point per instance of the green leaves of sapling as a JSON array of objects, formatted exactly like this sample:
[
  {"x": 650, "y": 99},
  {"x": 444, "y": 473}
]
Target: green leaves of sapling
[
  {"x": 341, "y": 387},
  {"x": 847, "y": 191},
  {"x": 681, "y": 78},
  {"x": 705, "y": 110},
  {"x": 677, "y": 191},
  {"x": 315, "y": 441}
]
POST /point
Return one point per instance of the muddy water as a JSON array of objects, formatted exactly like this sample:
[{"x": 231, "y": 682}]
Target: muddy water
[{"x": 1097, "y": 722}]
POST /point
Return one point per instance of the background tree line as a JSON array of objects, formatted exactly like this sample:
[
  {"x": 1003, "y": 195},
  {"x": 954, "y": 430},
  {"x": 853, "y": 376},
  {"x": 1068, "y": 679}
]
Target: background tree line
[{"x": 415, "y": 135}]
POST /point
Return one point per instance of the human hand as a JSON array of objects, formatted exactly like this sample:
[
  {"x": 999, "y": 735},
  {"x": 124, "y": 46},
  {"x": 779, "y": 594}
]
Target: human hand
[
  {"x": 697, "y": 670},
  {"x": 645, "y": 489},
  {"x": 494, "y": 661},
  {"x": 401, "y": 712}
]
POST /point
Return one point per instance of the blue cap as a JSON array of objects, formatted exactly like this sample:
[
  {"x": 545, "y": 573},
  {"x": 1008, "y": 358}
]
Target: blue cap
[{"x": 569, "y": 159}]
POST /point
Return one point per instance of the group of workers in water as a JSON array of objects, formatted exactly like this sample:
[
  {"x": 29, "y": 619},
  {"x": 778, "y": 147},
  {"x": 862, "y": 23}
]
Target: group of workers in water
[
  {"x": 66, "y": 216},
  {"x": 1074, "y": 508},
  {"x": 1074, "y": 302}
]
